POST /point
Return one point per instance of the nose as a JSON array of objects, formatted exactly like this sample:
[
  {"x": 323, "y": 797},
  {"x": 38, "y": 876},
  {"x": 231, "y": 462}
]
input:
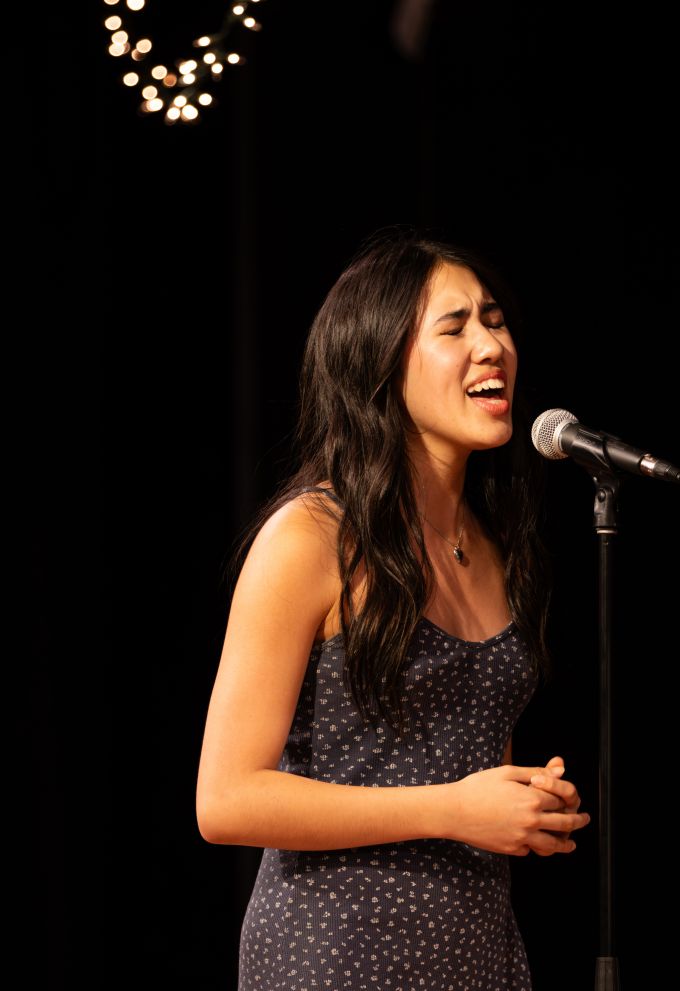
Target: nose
[{"x": 486, "y": 345}]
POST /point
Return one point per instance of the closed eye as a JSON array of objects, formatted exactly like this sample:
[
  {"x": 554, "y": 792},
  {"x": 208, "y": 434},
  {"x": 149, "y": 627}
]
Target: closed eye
[{"x": 491, "y": 326}]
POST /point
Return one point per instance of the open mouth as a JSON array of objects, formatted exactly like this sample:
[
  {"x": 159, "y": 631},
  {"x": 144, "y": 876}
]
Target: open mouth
[{"x": 489, "y": 389}]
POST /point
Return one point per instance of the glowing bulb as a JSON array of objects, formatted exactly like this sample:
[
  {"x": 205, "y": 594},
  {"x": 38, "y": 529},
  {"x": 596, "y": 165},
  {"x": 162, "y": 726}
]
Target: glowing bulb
[
  {"x": 249, "y": 22},
  {"x": 144, "y": 46},
  {"x": 116, "y": 50},
  {"x": 238, "y": 9},
  {"x": 205, "y": 99},
  {"x": 130, "y": 78},
  {"x": 135, "y": 4},
  {"x": 209, "y": 58},
  {"x": 112, "y": 23},
  {"x": 203, "y": 42},
  {"x": 111, "y": 3},
  {"x": 159, "y": 71},
  {"x": 233, "y": 58},
  {"x": 149, "y": 92},
  {"x": 188, "y": 66},
  {"x": 217, "y": 68},
  {"x": 119, "y": 38},
  {"x": 155, "y": 105},
  {"x": 180, "y": 101},
  {"x": 189, "y": 112},
  {"x": 169, "y": 80},
  {"x": 173, "y": 113},
  {"x": 189, "y": 79}
]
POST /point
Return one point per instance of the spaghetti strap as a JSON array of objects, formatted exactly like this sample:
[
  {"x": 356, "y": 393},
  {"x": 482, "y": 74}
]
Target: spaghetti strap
[{"x": 328, "y": 492}]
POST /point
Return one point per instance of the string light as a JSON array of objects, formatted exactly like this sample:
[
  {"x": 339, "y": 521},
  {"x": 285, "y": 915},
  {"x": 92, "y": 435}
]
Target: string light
[{"x": 191, "y": 76}]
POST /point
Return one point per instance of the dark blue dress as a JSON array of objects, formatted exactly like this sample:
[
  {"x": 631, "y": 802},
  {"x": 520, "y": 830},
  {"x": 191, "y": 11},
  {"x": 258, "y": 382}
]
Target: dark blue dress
[{"x": 433, "y": 915}]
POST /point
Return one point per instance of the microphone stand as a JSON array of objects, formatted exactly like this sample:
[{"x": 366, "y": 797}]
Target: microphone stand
[{"x": 607, "y": 485}]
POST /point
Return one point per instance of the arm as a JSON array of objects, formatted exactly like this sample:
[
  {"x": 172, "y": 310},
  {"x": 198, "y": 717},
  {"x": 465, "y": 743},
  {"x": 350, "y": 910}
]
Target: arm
[{"x": 286, "y": 587}]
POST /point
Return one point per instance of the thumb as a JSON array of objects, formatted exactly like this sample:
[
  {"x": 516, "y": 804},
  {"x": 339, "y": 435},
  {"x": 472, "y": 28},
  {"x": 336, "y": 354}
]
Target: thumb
[{"x": 556, "y": 766}]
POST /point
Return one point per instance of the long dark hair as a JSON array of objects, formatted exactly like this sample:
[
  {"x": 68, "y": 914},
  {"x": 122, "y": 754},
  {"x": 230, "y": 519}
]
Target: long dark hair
[{"x": 351, "y": 431}]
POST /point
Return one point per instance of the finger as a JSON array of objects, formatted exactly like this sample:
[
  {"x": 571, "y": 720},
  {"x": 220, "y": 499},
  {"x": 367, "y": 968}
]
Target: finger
[
  {"x": 565, "y": 789},
  {"x": 545, "y": 844},
  {"x": 562, "y": 822},
  {"x": 525, "y": 774}
]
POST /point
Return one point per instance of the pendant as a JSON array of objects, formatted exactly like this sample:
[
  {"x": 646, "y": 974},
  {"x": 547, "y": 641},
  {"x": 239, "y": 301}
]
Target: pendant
[{"x": 458, "y": 554}]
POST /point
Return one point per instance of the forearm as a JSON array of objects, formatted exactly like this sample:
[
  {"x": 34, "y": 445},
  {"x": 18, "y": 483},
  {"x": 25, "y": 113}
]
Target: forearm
[{"x": 278, "y": 809}]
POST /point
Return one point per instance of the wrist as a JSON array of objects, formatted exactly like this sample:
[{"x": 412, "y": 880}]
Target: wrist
[{"x": 439, "y": 814}]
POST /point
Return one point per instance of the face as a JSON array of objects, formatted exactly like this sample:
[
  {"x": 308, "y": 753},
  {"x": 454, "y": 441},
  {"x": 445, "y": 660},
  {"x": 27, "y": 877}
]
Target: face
[{"x": 460, "y": 339}]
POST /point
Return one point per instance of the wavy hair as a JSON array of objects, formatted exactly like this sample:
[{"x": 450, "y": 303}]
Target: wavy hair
[{"x": 351, "y": 431}]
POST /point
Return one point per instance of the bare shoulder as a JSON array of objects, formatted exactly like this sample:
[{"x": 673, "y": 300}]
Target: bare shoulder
[
  {"x": 288, "y": 581},
  {"x": 310, "y": 522}
]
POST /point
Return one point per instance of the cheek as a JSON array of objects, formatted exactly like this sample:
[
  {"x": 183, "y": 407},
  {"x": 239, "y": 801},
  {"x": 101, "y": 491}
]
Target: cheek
[
  {"x": 430, "y": 383},
  {"x": 421, "y": 375},
  {"x": 508, "y": 360}
]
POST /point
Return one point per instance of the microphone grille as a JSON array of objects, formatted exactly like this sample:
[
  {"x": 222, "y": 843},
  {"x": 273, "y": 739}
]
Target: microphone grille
[{"x": 546, "y": 431}]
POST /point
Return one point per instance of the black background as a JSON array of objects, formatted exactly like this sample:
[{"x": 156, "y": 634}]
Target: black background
[{"x": 171, "y": 277}]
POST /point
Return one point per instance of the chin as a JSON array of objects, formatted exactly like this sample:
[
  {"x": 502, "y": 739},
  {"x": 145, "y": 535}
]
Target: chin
[{"x": 496, "y": 439}]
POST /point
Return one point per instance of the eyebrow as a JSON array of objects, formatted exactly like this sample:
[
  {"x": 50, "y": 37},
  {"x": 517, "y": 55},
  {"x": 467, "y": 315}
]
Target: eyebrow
[{"x": 465, "y": 312}]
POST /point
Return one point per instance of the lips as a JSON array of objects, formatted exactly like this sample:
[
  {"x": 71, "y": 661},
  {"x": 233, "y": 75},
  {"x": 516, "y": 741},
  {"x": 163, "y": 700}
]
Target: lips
[
  {"x": 488, "y": 392},
  {"x": 492, "y": 382},
  {"x": 497, "y": 406}
]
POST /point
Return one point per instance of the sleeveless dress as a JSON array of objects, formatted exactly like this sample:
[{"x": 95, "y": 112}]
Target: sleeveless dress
[{"x": 428, "y": 914}]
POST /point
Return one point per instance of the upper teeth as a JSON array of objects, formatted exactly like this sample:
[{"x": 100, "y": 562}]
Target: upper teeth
[{"x": 487, "y": 384}]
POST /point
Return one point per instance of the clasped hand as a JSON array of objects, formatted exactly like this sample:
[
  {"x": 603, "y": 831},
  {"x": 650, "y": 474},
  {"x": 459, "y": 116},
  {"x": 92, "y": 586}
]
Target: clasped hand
[
  {"x": 513, "y": 809},
  {"x": 551, "y": 782}
]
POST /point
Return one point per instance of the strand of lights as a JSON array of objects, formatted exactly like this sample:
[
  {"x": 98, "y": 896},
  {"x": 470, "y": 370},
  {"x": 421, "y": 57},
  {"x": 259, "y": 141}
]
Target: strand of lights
[{"x": 179, "y": 91}]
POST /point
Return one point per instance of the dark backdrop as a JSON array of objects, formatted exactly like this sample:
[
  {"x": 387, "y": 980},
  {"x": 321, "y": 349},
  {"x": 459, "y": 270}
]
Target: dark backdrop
[{"x": 172, "y": 275}]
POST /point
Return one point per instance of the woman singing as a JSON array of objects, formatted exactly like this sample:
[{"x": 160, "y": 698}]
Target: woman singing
[{"x": 386, "y": 631}]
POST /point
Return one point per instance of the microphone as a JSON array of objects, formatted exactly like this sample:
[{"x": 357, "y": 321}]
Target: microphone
[{"x": 558, "y": 434}]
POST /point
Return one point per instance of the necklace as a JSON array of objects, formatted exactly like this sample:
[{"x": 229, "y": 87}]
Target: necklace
[{"x": 457, "y": 552}]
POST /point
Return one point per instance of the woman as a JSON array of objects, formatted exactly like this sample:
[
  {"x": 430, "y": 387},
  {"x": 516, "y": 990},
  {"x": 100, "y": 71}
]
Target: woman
[{"x": 385, "y": 633}]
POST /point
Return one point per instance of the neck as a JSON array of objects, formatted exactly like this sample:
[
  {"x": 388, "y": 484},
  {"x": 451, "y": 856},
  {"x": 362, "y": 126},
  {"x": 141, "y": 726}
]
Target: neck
[{"x": 438, "y": 489}]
